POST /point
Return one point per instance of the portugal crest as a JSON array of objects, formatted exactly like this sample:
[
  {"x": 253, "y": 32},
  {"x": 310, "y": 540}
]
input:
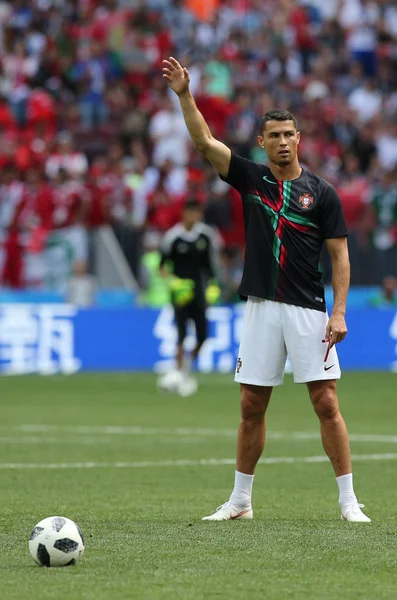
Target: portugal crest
[{"x": 306, "y": 200}]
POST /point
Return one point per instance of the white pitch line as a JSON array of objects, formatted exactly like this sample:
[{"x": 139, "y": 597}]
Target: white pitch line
[
  {"x": 21, "y": 440},
  {"x": 120, "y": 430},
  {"x": 188, "y": 431},
  {"x": 213, "y": 462}
]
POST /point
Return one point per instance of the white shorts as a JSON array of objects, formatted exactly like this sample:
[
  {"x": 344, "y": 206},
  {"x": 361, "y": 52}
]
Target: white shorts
[{"x": 273, "y": 330}]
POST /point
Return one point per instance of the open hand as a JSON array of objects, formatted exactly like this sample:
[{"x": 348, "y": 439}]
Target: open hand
[{"x": 176, "y": 76}]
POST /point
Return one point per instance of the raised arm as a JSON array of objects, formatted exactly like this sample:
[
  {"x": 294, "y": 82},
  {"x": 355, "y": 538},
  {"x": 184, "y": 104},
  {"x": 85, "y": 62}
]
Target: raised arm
[{"x": 215, "y": 151}]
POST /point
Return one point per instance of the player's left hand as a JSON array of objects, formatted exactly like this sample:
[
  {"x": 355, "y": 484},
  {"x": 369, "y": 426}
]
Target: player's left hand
[{"x": 336, "y": 329}]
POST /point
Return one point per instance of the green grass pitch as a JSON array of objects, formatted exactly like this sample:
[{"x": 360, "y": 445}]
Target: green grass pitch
[{"x": 129, "y": 465}]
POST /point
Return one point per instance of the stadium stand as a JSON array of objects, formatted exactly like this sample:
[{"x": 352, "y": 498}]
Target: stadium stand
[{"x": 91, "y": 138}]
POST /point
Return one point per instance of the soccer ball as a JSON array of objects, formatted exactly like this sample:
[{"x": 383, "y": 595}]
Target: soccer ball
[{"x": 56, "y": 542}]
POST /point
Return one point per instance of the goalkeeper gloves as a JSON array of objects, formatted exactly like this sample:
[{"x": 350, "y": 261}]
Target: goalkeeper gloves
[
  {"x": 182, "y": 290},
  {"x": 212, "y": 293}
]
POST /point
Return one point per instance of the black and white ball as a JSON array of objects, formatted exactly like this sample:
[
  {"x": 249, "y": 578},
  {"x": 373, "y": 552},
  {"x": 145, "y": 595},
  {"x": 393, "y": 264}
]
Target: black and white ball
[{"x": 56, "y": 542}]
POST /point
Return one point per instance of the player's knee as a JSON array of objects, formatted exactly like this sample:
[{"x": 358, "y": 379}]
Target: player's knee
[
  {"x": 326, "y": 406},
  {"x": 253, "y": 404}
]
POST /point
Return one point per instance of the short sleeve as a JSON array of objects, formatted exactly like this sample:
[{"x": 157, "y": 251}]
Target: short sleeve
[
  {"x": 331, "y": 217},
  {"x": 240, "y": 170}
]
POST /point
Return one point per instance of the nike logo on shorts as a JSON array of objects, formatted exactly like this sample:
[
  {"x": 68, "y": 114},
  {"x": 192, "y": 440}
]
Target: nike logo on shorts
[
  {"x": 269, "y": 180},
  {"x": 328, "y": 368}
]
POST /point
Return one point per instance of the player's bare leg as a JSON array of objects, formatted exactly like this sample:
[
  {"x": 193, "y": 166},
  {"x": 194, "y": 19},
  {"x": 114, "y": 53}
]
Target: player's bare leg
[
  {"x": 196, "y": 350},
  {"x": 174, "y": 379},
  {"x": 250, "y": 444},
  {"x": 179, "y": 357},
  {"x": 252, "y": 428},
  {"x": 332, "y": 425},
  {"x": 335, "y": 440},
  {"x": 184, "y": 361},
  {"x": 188, "y": 384}
]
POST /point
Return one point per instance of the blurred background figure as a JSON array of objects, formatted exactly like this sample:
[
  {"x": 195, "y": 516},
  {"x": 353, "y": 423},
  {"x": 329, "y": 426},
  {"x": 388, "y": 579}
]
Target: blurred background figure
[
  {"x": 387, "y": 295},
  {"x": 189, "y": 258}
]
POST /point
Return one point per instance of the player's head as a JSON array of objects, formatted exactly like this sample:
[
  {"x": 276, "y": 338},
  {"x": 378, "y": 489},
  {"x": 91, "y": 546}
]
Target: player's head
[
  {"x": 192, "y": 212},
  {"x": 389, "y": 285},
  {"x": 279, "y": 136}
]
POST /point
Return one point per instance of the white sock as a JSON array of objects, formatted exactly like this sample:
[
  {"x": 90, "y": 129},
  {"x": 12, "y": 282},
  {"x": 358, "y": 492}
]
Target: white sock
[
  {"x": 346, "y": 491},
  {"x": 242, "y": 492}
]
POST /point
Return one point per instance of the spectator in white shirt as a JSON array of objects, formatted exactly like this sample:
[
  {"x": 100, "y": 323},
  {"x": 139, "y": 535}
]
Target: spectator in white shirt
[
  {"x": 169, "y": 135},
  {"x": 366, "y": 101},
  {"x": 386, "y": 146}
]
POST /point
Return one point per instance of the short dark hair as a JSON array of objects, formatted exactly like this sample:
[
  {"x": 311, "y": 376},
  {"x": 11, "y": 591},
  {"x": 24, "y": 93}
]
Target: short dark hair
[
  {"x": 279, "y": 114},
  {"x": 192, "y": 203}
]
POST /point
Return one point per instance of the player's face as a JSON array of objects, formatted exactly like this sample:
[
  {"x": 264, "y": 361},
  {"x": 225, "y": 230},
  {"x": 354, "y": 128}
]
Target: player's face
[
  {"x": 280, "y": 140},
  {"x": 191, "y": 216}
]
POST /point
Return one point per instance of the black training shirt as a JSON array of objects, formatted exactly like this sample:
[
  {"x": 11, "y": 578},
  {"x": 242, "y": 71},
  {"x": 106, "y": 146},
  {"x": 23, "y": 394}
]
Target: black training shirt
[{"x": 286, "y": 223}]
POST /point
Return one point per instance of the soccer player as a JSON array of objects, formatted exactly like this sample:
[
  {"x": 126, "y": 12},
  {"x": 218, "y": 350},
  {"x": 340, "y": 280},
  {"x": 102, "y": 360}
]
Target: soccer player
[
  {"x": 289, "y": 213},
  {"x": 188, "y": 258}
]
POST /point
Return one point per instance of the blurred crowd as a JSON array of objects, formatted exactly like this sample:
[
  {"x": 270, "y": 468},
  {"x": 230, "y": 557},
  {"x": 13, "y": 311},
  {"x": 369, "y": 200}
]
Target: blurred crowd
[{"x": 91, "y": 136}]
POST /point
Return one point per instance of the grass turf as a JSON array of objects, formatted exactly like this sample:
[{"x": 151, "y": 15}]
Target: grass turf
[{"x": 144, "y": 536}]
